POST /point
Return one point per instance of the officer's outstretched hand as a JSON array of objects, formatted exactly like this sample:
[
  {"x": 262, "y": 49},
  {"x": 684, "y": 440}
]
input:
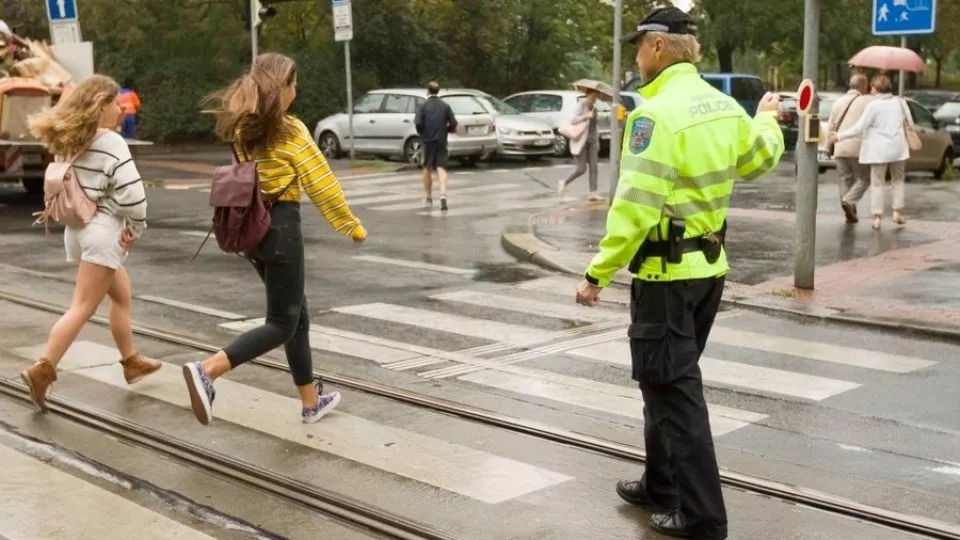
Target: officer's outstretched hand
[
  {"x": 588, "y": 294},
  {"x": 769, "y": 102}
]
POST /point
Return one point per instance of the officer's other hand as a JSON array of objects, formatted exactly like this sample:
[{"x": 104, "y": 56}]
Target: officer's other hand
[
  {"x": 769, "y": 102},
  {"x": 588, "y": 294}
]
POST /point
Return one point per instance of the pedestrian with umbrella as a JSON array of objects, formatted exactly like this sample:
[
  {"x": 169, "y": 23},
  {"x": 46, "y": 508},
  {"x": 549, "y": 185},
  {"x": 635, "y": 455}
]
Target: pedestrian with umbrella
[{"x": 586, "y": 146}]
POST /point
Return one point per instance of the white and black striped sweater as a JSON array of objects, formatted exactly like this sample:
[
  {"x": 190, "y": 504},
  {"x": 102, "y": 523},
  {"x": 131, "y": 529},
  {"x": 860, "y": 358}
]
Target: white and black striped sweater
[{"x": 109, "y": 176}]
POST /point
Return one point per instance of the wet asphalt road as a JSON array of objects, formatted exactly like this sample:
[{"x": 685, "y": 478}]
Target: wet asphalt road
[{"x": 852, "y": 412}]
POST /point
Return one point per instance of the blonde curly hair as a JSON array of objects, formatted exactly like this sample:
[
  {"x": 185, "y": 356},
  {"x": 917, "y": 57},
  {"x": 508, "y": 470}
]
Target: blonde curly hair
[{"x": 68, "y": 128}]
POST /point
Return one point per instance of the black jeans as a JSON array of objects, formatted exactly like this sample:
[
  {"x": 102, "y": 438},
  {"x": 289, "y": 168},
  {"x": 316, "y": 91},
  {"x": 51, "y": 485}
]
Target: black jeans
[
  {"x": 670, "y": 325},
  {"x": 279, "y": 262}
]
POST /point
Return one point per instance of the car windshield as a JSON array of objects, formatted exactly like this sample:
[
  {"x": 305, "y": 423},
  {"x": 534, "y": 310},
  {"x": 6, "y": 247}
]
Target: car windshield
[
  {"x": 949, "y": 109},
  {"x": 496, "y": 105},
  {"x": 464, "y": 105},
  {"x": 930, "y": 100}
]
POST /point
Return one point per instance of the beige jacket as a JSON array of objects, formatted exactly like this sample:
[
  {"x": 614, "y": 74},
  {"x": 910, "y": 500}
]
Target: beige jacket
[{"x": 849, "y": 148}]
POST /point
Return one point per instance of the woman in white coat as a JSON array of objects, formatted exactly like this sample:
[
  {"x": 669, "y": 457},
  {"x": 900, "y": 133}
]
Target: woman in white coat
[{"x": 884, "y": 147}]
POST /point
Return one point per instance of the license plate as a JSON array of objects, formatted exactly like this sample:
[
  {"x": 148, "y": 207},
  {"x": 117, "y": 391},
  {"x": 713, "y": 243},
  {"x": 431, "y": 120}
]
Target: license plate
[
  {"x": 475, "y": 130},
  {"x": 544, "y": 142},
  {"x": 604, "y": 135}
]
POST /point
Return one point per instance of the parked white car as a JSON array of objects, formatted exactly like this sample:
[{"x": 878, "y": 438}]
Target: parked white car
[
  {"x": 383, "y": 125},
  {"x": 557, "y": 106},
  {"x": 517, "y": 134}
]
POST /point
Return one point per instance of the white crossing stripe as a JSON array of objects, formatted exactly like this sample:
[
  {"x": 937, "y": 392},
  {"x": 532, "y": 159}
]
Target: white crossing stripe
[
  {"x": 41, "y": 501},
  {"x": 432, "y": 461},
  {"x": 198, "y": 234},
  {"x": 494, "y": 208},
  {"x": 414, "y": 264},
  {"x": 565, "y": 286},
  {"x": 445, "y": 322},
  {"x": 380, "y": 180},
  {"x": 204, "y": 310},
  {"x": 595, "y": 395},
  {"x": 179, "y": 187},
  {"x": 814, "y": 350},
  {"x": 320, "y": 339},
  {"x": 417, "y": 195},
  {"x": 569, "y": 311},
  {"x": 735, "y": 374},
  {"x": 350, "y": 193},
  {"x": 457, "y": 196}
]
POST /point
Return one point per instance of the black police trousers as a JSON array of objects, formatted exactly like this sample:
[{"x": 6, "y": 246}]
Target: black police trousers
[{"x": 670, "y": 322}]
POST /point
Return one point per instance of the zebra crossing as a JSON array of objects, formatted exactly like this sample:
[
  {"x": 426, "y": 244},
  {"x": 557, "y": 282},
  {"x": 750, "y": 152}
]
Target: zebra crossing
[
  {"x": 472, "y": 193},
  {"x": 597, "y": 335}
]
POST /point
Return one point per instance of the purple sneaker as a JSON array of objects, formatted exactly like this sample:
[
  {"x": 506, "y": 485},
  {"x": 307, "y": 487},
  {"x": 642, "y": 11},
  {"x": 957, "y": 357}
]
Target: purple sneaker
[
  {"x": 201, "y": 391},
  {"x": 325, "y": 404}
]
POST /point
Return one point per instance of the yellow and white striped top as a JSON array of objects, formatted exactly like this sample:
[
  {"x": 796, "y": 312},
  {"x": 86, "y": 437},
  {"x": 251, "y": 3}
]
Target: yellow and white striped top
[{"x": 299, "y": 163}]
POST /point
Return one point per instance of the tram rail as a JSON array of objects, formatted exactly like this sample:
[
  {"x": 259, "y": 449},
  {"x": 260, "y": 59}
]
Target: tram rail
[{"x": 356, "y": 513}]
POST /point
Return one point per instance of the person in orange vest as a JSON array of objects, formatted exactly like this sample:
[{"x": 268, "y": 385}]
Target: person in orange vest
[{"x": 129, "y": 102}]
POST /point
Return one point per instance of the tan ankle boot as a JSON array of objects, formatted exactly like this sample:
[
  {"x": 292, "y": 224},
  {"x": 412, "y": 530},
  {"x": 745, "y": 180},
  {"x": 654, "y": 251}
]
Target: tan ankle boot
[
  {"x": 897, "y": 218},
  {"x": 137, "y": 367},
  {"x": 877, "y": 220},
  {"x": 39, "y": 377}
]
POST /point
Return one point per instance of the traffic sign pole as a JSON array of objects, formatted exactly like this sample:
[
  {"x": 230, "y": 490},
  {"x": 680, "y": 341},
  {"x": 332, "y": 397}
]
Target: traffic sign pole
[
  {"x": 615, "y": 137},
  {"x": 807, "y": 164},
  {"x": 343, "y": 31},
  {"x": 901, "y": 78},
  {"x": 254, "y": 41}
]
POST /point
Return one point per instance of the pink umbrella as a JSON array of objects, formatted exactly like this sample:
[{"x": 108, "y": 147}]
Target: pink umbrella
[{"x": 889, "y": 58}]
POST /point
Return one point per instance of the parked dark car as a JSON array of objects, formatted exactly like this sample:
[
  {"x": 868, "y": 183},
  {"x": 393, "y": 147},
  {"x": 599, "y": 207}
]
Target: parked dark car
[
  {"x": 932, "y": 100},
  {"x": 789, "y": 119}
]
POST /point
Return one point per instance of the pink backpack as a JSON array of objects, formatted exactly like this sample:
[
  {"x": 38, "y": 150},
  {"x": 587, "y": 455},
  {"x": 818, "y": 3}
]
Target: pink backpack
[{"x": 63, "y": 198}]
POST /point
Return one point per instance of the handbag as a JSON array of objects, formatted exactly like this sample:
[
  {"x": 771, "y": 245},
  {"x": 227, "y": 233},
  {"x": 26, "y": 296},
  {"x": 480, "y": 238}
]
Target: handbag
[
  {"x": 831, "y": 145},
  {"x": 913, "y": 140},
  {"x": 573, "y": 131}
]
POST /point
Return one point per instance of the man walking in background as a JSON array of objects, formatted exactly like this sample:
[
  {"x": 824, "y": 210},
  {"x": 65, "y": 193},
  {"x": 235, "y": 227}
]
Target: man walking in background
[
  {"x": 434, "y": 120},
  {"x": 854, "y": 177}
]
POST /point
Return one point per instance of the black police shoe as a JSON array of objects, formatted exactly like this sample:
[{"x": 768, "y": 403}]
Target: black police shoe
[
  {"x": 670, "y": 523},
  {"x": 633, "y": 492}
]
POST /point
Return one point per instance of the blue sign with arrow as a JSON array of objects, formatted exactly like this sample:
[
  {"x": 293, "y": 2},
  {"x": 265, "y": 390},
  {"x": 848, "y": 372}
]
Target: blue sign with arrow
[
  {"x": 901, "y": 17},
  {"x": 61, "y": 10}
]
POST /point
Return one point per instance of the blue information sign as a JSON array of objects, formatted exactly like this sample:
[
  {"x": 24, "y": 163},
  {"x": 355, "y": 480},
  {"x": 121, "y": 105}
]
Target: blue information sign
[
  {"x": 901, "y": 17},
  {"x": 61, "y": 10}
]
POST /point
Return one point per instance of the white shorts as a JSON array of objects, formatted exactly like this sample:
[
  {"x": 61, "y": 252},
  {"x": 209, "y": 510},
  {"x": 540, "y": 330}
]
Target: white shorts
[{"x": 98, "y": 242}]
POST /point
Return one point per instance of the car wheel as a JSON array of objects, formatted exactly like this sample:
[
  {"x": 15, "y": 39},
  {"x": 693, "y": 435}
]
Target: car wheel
[
  {"x": 946, "y": 164},
  {"x": 561, "y": 146},
  {"x": 34, "y": 186},
  {"x": 468, "y": 161},
  {"x": 330, "y": 145},
  {"x": 412, "y": 150}
]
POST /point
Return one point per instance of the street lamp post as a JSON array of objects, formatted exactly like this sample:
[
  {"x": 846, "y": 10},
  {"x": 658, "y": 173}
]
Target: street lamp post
[{"x": 615, "y": 137}]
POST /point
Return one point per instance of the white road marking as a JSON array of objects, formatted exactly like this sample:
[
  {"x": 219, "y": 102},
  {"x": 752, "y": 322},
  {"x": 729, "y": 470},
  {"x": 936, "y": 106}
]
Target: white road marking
[
  {"x": 564, "y": 286},
  {"x": 814, "y": 350},
  {"x": 41, "y": 501},
  {"x": 454, "y": 198},
  {"x": 414, "y": 264},
  {"x": 418, "y": 195},
  {"x": 376, "y": 180},
  {"x": 459, "y": 469},
  {"x": 180, "y": 187},
  {"x": 322, "y": 340},
  {"x": 595, "y": 395},
  {"x": 569, "y": 311},
  {"x": 203, "y": 310},
  {"x": 494, "y": 208},
  {"x": 734, "y": 374},
  {"x": 198, "y": 234},
  {"x": 445, "y": 322}
]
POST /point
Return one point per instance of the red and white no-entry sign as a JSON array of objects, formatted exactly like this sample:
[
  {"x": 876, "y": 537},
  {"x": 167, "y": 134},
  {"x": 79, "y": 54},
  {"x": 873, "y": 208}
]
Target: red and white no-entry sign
[{"x": 805, "y": 96}]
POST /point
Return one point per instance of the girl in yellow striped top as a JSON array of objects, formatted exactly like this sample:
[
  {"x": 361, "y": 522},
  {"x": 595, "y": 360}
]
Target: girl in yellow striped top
[{"x": 252, "y": 115}]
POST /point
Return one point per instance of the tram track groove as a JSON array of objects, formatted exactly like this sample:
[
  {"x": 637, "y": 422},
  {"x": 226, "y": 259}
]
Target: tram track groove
[{"x": 923, "y": 526}]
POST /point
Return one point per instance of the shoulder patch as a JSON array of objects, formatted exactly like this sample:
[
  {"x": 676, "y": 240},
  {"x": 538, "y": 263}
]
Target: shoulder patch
[{"x": 640, "y": 134}]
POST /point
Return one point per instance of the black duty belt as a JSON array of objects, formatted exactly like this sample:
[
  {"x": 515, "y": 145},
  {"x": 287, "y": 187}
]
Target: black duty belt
[{"x": 673, "y": 250}]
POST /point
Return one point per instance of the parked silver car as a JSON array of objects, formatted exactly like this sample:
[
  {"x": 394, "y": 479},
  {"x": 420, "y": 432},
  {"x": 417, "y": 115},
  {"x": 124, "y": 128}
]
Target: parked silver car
[
  {"x": 383, "y": 125},
  {"x": 557, "y": 106},
  {"x": 517, "y": 134}
]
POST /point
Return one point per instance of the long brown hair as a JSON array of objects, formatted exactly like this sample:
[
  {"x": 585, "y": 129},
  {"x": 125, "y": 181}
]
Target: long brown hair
[
  {"x": 68, "y": 128},
  {"x": 250, "y": 111}
]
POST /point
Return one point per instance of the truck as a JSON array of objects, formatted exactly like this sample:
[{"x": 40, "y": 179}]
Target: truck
[{"x": 31, "y": 79}]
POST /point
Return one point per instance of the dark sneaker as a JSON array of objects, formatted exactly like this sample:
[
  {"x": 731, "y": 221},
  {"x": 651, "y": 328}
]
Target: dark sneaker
[
  {"x": 850, "y": 211},
  {"x": 201, "y": 391},
  {"x": 325, "y": 404},
  {"x": 633, "y": 492},
  {"x": 670, "y": 523},
  {"x": 443, "y": 203}
]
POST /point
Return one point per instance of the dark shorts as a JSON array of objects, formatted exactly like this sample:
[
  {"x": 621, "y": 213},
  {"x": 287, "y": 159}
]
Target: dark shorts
[{"x": 433, "y": 156}]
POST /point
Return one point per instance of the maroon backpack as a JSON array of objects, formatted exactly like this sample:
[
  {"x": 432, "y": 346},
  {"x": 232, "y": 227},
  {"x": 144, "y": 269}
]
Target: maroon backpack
[{"x": 241, "y": 216}]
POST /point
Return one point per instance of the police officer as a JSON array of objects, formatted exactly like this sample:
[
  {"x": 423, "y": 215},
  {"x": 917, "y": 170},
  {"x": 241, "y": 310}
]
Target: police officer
[{"x": 682, "y": 150}]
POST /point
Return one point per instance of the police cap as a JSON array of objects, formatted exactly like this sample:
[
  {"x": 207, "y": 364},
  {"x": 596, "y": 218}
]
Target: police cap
[{"x": 669, "y": 20}]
